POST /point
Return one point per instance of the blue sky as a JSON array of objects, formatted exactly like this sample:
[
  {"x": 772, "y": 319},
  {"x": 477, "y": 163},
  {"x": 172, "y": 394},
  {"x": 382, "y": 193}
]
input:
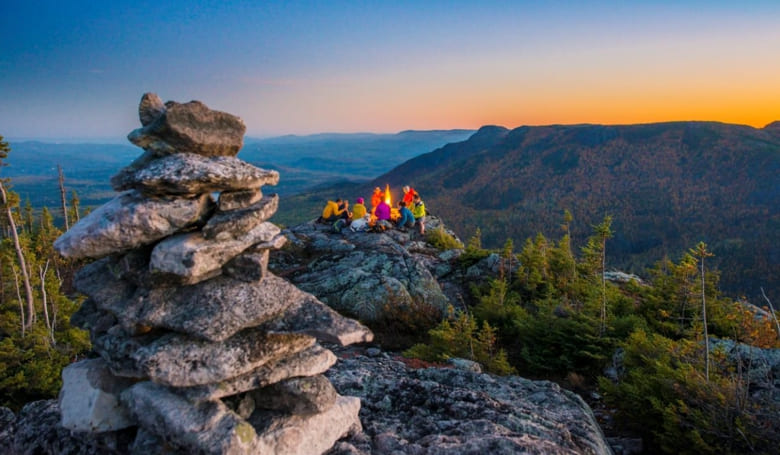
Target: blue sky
[{"x": 78, "y": 68}]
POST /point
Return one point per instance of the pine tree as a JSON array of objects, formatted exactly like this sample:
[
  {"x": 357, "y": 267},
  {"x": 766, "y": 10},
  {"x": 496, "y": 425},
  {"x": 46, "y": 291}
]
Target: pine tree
[{"x": 701, "y": 252}]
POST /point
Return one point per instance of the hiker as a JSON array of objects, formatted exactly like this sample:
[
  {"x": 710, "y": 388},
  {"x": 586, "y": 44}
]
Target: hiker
[
  {"x": 335, "y": 210},
  {"x": 376, "y": 198},
  {"x": 418, "y": 210},
  {"x": 359, "y": 209},
  {"x": 382, "y": 214},
  {"x": 408, "y": 195},
  {"x": 407, "y": 218}
]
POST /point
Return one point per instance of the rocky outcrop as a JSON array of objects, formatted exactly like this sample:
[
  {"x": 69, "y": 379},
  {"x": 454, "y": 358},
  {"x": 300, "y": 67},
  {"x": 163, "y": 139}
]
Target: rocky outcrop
[
  {"x": 201, "y": 349},
  {"x": 365, "y": 273},
  {"x": 402, "y": 410},
  {"x": 448, "y": 410}
]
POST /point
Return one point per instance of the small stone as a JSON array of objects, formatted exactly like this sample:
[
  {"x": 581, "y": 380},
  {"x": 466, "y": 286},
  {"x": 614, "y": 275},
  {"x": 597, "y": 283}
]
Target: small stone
[
  {"x": 150, "y": 109},
  {"x": 306, "y": 395},
  {"x": 190, "y": 127},
  {"x": 239, "y": 199},
  {"x": 236, "y": 223},
  {"x": 248, "y": 267}
]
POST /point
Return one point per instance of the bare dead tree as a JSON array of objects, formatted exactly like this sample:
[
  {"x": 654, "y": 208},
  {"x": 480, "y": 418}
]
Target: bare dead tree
[
  {"x": 701, "y": 252},
  {"x": 20, "y": 256},
  {"x": 44, "y": 297},
  {"x": 771, "y": 310},
  {"x": 62, "y": 196},
  {"x": 19, "y": 297}
]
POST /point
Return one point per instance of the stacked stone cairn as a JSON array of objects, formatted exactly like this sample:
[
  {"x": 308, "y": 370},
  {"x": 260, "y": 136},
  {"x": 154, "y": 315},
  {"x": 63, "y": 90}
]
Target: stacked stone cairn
[{"x": 201, "y": 349}]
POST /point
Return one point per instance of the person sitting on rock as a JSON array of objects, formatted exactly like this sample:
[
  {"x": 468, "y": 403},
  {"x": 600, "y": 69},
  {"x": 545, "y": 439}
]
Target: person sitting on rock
[
  {"x": 408, "y": 195},
  {"x": 335, "y": 210},
  {"x": 418, "y": 210},
  {"x": 376, "y": 198},
  {"x": 382, "y": 214},
  {"x": 359, "y": 209},
  {"x": 407, "y": 218}
]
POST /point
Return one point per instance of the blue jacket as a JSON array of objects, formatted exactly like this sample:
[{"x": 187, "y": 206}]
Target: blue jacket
[{"x": 407, "y": 219}]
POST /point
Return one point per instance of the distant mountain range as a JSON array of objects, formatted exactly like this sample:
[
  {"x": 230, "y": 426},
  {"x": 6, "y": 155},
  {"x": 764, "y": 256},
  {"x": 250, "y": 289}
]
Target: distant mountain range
[
  {"x": 304, "y": 162},
  {"x": 666, "y": 185}
]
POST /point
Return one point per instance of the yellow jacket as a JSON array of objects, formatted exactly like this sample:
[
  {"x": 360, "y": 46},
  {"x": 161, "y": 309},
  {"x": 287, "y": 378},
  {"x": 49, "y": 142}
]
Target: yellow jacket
[
  {"x": 358, "y": 211},
  {"x": 331, "y": 209}
]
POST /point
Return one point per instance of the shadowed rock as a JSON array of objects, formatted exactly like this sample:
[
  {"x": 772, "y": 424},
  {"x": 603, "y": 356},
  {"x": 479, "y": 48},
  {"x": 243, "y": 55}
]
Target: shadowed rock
[
  {"x": 307, "y": 395},
  {"x": 190, "y": 127},
  {"x": 150, "y": 108},
  {"x": 248, "y": 266},
  {"x": 189, "y": 173},
  {"x": 232, "y": 200},
  {"x": 130, "y": 221}
]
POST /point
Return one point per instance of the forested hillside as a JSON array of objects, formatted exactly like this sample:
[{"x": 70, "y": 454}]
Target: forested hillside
[
  {"x": 36, "y": 339},
  {"x": 666, "y": 185},
  {"x": 304, "y": 161}
]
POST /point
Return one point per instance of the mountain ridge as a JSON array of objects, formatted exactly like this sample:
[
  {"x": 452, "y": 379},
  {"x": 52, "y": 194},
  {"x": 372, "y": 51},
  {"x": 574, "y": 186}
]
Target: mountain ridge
[{"x": 667, "y": 185}]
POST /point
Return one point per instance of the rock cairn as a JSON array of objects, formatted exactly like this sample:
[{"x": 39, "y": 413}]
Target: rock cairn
[{"x": 200, "y": 347}]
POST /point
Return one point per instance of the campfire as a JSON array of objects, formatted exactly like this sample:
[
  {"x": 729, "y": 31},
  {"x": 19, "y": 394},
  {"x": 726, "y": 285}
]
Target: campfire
[{"x": 394, "y": 213}]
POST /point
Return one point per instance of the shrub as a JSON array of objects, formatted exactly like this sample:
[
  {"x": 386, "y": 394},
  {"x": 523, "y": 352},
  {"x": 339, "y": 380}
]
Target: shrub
[{"x": 442, "y": 240}]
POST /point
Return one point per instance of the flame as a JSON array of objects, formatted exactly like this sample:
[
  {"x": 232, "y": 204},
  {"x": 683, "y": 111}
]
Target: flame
[{"x": 388, "y": 199}]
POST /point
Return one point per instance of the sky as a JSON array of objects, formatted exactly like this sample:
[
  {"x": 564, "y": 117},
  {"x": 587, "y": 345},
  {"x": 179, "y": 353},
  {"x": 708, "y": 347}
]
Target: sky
[{"x": 77, "y": 69}]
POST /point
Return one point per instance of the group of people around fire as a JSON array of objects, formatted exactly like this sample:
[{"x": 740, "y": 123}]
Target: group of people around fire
[{"x": 409, "y": 214}]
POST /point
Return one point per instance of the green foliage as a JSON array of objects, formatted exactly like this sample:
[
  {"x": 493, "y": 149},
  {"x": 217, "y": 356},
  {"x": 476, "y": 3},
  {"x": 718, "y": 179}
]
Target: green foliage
[
  {"x": 460, "y": 337},
  {"x": 666, "y": 397},
  {"x": 36, "y": 343},
  {"x": 473, "y": 252},
  {"x": 442, "y": 240}
]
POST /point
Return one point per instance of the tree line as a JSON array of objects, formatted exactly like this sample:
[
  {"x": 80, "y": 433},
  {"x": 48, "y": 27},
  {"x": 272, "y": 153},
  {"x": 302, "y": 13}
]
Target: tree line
[
  {"x": 553, "y": 314},
  {"x": 36, "y": 338}
]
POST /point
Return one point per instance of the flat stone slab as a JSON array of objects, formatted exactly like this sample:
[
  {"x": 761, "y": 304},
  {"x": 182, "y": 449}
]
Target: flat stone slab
[
  {"x": 207, "y": 427},
  {"x": 309, "y": 362},
  {"x": 129, "y": 221},
  {"x": 191, "y": 258},
  {"x": 89, "y": 398},
  {"x": 213, "y": 310},
  {"x": 180, "y": 361},
  {"x": 282, "y": 434},
  {"x": 236, "y": 223},
  {"x": 189, "y": 127},
  {"x": 232, "y": 200},
  {"x": 188, "y": 173},
  {"x": 312, "y": 317}
]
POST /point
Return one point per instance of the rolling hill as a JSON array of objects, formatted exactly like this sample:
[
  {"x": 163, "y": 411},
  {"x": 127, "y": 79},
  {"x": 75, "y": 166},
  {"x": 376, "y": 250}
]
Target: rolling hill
[
  {"x": 667, "y": 186},
  {"x": 304, "y": 162}
]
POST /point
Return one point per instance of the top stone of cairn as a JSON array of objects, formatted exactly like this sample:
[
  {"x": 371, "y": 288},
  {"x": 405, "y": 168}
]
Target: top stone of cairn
[{"x": 186, "y": 128}]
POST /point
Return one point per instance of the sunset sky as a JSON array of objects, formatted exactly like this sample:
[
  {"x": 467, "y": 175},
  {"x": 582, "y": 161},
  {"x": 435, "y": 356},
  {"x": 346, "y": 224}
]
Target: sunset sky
[{"x": 76, "y": 69}]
